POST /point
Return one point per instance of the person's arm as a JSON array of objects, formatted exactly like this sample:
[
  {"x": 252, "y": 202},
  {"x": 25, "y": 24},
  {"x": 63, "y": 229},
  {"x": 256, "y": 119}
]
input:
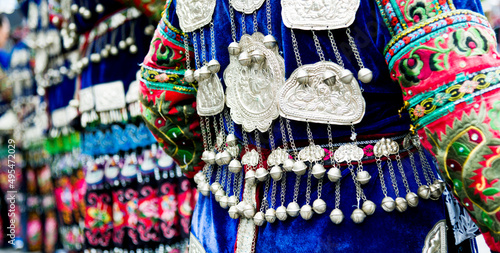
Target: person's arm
[
  {"x": 444, "y": 58},
  {"x": 168, "y": 101}
]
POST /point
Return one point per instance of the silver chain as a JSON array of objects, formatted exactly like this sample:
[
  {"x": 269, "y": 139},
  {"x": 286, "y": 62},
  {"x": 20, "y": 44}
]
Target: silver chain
[
  {"x": 283, "y": 190},
  {"x": 212, "y": 39},
  {"x": 381, "y": 175},
  {"x": 268, "y": 17},
  {"x": 320, "y": 187},
  {"x": 290, "y": 136},
  {"x": 337, "y": 194},
  {"x": 273, "y": 194},
  {"x": 264, "y": 205},
  {"x": 424, "y": 163},
  {"x": 296, "y": 189},
  {"x": 245, "y": 141},
  {"x": 224, "y": 175},
  {"x": 203, "y": 47},
  {"x": 203, "y": 133},
  {"x": 233, "y": 25},
  {"x": 230, "y": 123},
  {"x": 308, "y": 188},
  {"x": 309, "y": 134},
  {"x": 228, "y": 184},
  {"x": 216, "y": 127},
  {"x": 271, "y": 138},
  {"x": 402, "y": 172},
  {"x": 221, "y": 122},
  {"x": 296, "y": 48},
  {"x": 356, "y": 183},
  {"x": 236, "y": 182},
  {"x": 335, "y": 49},
  {"x": 393, "y": 176},
  {"x": 318, "y": 47},
  {"x": 196, "y": 53},
  {"x": 243, "y": 25},
  {"x": 283, "y": 134},
  {"x": 360, "y": 168},
  {"x": 414, "y": 168},
  {"x": 218, "y": 174},
  {"x": 186, "y": 51},
  {"x": 354, "y": 48},
  {"x": 255, "y": 24},
  {"x": 209, "y": 133},
  {"x": 330, "y": 144},
  {"x": 258, "y": 144}
]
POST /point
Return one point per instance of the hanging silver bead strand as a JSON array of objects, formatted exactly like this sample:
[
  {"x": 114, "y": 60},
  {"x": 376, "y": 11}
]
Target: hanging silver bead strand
[{"x": 364, "y": 74}]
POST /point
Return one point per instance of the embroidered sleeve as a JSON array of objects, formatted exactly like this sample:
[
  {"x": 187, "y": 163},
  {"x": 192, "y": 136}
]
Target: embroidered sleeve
[
  {"x": 446, "y": 63},
  {"x": 168, "y": 101}
]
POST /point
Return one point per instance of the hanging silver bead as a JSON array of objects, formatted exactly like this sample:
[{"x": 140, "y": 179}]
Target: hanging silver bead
[
  {"x": 363, "y": 177},
  {"x": 231, "y": 201},
  {"x": 99, "y": 8},
  {"x": 250, "y": 177},
  {"x": 234, "y": 166},
  {"x": 388, "y": 204},
  {"x": 319, "y": 206},
  {"x": 231, "y": 140},
  {"x": 358, "y": 216},
  {"x": 329, "y": 78},
  {"x": 293, "y": 209},
  {"x": 87, "y": 14},
  {"x": 346, "y": 76},
  {"x": 198, "y": 177},
  {"x": 189, "y": 76},
  {"x": 210, "y": 159},
  {"x": 334, "y": 174},
  {"x": 213, "y": 66},
  {"x": 204, "y": 189},
  {"x": 95, "y": 57},
  {"x": 336, "y": 216},
  {"x": 133, "y": 49},
  {"x": 441, "y": 183},
  {"x": 113, "y": 51},
  {"x": 249, "y": 211},
  {"x": 281, "y": 213},
  {"x": 204, "y": 73},
  {"x": 219, "y": 194},
  {"x": 196, "y": 75},
  {"x": 215, "y": 187},
  {"x": 276, "y": 173},
  {"x": 412, "y": 199},
  {"x": 241, "y": 207},
  {"x": 218, "y": 158},
  {"x": 318, "y": 171},
  {"x": 365, "y": 75},
  {"x": 271, "y": 215},
  {"x": 302, "y": 76},
  {"x": 401, "y": 204},
  {"x": 306, "y": 212},
  {"x": 129, "y": 41},
  {"x": 234, "y": 48},
  {"x": 269, "y": 41},
  {"x": 74, "y": 8},
  {"x": 244, "y": 59},
  {"x": 424, "y": 192},
  {"x": 259, "y": 219},
  {"x": 224, "y": 202},
  {"x": 299, "y": 168},
  {"x": 435, "y": 191},
  {"x": 233, "y": 213},
  {"x": 261, "y": 174},
  {"x": 288, "y": 165},
  {"x": 225, "y": 157},
  {"x": 257, "y": 56},
  {"x": 122, "y": 45},
  {"x": 368, "y": 207}
]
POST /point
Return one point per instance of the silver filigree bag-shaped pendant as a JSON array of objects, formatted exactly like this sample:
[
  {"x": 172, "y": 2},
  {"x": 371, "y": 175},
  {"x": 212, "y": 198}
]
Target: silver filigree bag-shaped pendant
[
  {"x": 247, "y": 6},
  {"x": 210, "y": 98},
  {"x": 194, "y": 14}
]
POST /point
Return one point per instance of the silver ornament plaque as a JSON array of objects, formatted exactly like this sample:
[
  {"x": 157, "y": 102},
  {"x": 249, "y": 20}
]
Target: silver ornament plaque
[
  {"x": 318, "y": 15},
  {"x": 210, "y": 97},
  {"x": 251, "y": 89},
  {"x": 247, "y": 6},
  {"x": 347, "y": 153},
  {"x": 250, "y": 158},
  {"x": 277, "y": 157},
  {"x": 194, "y": 14},
  {"x": 318, "y": 102},
  {"x": 385, "y": 147},
  {"x": 312, "y": 153}
]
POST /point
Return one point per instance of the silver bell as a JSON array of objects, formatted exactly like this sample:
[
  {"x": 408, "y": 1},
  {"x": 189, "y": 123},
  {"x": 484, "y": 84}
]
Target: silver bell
[
  {"x": 368, "y": 207},
  {"x": 234, "y": 48},
  {"x": 219, "y": 194},
  {"x": 240, "y": 207},
  {"x": 271, "y": 215},
  {"x": 261, "y": 174},
  {"x": 204, "y": 189},
  {"x": 250, "y": 177},
  {"x": 329, "y": 78},
  {"x": 210, "y": 159},
  {"x": 133, "y": 49},
  {"x": 435, "y": 191},
  {"x": 363, "y": 177},
  {"x": 318, "y": 171},
  {"x": 113, "y": 50},
  {"x": 306, "y": 212},
  {"x": 249, "y": 211},
  {"x": 302, "y": 76},
  {"x": 225, "y": 157},
  {"x": 412, "y": 199},
  {"x": 424, "y": 192},
  {"x": 224, "y": 202},
  {"x": 122, "y": 45},
  {"x": 74, "y": 8},
  {"x": 231, "y": 201},
  {"x": 95, "y": 57},
  {"x": 213, "y": 66},
  {"x": 293, "y": 209},
  {"x": 441, "y": 183},
  {"x": 269, "y": 41},
  {"x": 288, "y": 165},
  {"x": 299, "y": 168},
  {"x": 319, "y": 206},
  {"x": 388, "y": 204},
  {"x": 218, "y": 158},
  {"x": 334, "y": 174},
  {"x": 259, "y": 219},
  {"x": 257, "y": 56},
  {"x": 204, "y": 73},
  {"x": 129, "y": 41},
  {"x": 99, "y": 8},
  {"x": 231, "y": 140},
  {"x": 281, "y": 213},
  {"x": 358, "y": 216},
  {"x": 189, "y": 76},
  {"x": 234, "y": 166},
  {"x": 204, "y": 156},
  {"x": 233, "y": 213},
  {"x": 346, "y": 76},
  {"x": 336, "y": 216},
  {"x": 365, "y": 75},
  {"x": 215, "y": 187},
  {"x": 401, "y": 204},
  {"x": 244, "y": 58},
  {"x": 276, "y": 173},
  {"x": 87, "y": 14}
]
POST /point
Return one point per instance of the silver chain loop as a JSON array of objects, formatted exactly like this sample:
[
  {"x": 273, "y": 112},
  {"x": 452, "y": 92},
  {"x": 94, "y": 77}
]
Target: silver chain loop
[
  {"x": 209, "y": 133},
  {"x": 318, "y": 47},
  {"x": 354, "y": 48},
  {"x": 271, "y": 138},
  {"x": 402, "y": 172},
  {"x": 335, "y": 49},
  {"x": 414, "y": 168},
  {"x": 381, "y": 175},
  {"x": 283, "y": 190},
  {"x": 283, "y": 134},
  {"x": 203, "y": 47},
  {"x": 258, "y": 144},
  {"x": 273, "y": 194},
  {"x": 296, "y": 189},
  {"x": 196, "y": 53},
  {"x": 424, "y": 163},
  {"x": 203, "y": 132},
  {"x": 255, "y": 24},
  {"x": 243, "y": 25},
  {"x": 233, "y": 25},
  {"x": 268, "y": 17},
  {"x": 186, "y": 51},
  {"x": 309, "y": 134},
  {"x": 308, "y": 188},
  {"x": 290, "y": 137},
  {"x": 337, "y": 194},
  {"x": 356, "y": 183},
  {"x": 212, "y": 40},
  {"x": 320, "y": 187},
  {"x": 264, "y": 205},
  {"x": 296, "y": 48},
  {"x": 393, "y": 176}
]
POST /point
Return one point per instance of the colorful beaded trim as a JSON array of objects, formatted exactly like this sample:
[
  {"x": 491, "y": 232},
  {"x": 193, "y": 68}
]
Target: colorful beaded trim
[{"x": 169, "y": 86}]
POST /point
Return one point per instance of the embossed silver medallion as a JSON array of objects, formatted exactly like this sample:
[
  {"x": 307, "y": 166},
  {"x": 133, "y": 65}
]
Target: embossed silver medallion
[
  {"x": 252, "y": 87},
  {"x": 210, "y": 97},
  {"x": 194, "y": 14},
  {"x": 347, "y": 153},
  {"x": 247, "y": 6},
  {"x": 319, "y": 102},
  {"x": 318, "y": 15}
]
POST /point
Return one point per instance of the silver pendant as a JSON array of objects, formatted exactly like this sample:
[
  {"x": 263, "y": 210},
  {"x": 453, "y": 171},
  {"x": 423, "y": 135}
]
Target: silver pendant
[
  {"x": 358, "y": 216},
  {"x": 233, "y": 213},
  {"x": 318, "y": 15},
  {"x": 224, "y": 202},
  {"x": 251, "y": 158},
  {"x": 293, "y": 209},
  {"x": 388, "y": 204},
  {"x": 210, "y": 97},
  {"x": 336, "y": 216},
  {"x": 318, "y": 171},
  {"x": 319, "y": 102},
  {"x": 312, "y": 153},
  {"x": 251, "y": 89},
  {"x": 334, "y": 174},
  {"x": 259, "y": 219},
  {"x": 385, "y": 147},
  {"x": 368, "y": 207},
  {"x": 348, "y": 152},
  {"x": 412, "y": 199},
  {"x": 194, "y": 14},
  {"x": 306, "y": 212},
  {"x": 246, "y": 6},
  {"x": 276, "y": 173},
  {"x": 319, "y": 206},
  {"x": 277, "y": 157},
  {"x": 271, "y": 215},
  {"x": 424, "y": 191},
  {"x": 401, "y": 204},
  {"x": 281, "y": 213}
]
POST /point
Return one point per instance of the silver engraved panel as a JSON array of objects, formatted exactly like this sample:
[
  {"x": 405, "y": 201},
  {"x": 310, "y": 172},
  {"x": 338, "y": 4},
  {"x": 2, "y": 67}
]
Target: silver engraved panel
[
  {"x": 247, "y": 6},
  {"x": 312, "y": 153},
  {"x": 339, "y": 104},
  {"x": 347, "y": 153},
  {"x": 318, "y": 15},
  {"x": 210, "y": 96},
  {"x": 251, "y": 90},
  {"x": 194, "y": 14}
]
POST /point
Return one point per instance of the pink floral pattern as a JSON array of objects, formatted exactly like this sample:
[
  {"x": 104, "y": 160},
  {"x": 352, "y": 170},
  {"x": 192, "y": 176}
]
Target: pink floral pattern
[{"x": 468, "y": 86}]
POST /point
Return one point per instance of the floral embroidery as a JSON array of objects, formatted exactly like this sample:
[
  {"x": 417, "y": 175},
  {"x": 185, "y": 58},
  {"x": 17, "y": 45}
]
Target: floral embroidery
[
  {"x": 420, "y": 10},
  {"x": 468, "y": 42},
  {"x": 368, "y": 150},
  {"x": 492, "y": 77},
  {"x": 162, "y": 78},
  {"x": 441, "y": 98},
  {"x": 468, "y": 86},
  {"x": 494, "y": 114},
  {"x": 410, "y": 70},
  {"x": 419, "y": 111}
]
